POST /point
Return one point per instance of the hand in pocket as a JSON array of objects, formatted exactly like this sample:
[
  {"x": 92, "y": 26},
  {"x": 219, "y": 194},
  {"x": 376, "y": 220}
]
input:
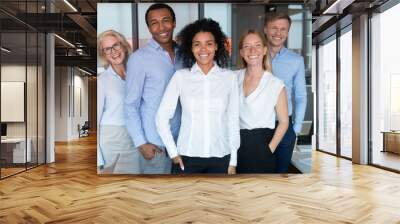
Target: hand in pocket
[
  {"x": 178, "y": 160},
  {"x": 271, "y": 148}
]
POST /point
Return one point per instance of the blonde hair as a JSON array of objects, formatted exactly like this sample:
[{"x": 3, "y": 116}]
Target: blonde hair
[
  {"x": 121, "y": 39},
  {"x": 242, "y": 63},
  {"x": 270, "y": 17}
]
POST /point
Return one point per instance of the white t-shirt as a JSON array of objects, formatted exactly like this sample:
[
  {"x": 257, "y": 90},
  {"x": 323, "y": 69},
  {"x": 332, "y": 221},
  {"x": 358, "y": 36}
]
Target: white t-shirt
[{"x": 257, "y": 110}]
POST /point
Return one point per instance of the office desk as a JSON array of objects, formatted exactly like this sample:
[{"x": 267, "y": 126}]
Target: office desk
[
  {"x": 391, "y": 141},
  {"x": 16, "y": 147}
]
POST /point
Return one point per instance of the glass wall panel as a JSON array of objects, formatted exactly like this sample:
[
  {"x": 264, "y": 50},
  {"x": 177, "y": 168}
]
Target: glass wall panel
[
  {"x": 295, "y": 40},
  {"x": 254, "y": 14},
  {"x": 31, "y": 98},
  {"x": 327, "y": 96},
  {"x": 32, "y": 87},
  {"x": 41, "y": 98},
  {"x": 385, "y": 84},
  {"x": 13, "y": 93},
  {"x": 346, "y": 94},
  {"x": 119, "y": 18},
  {"x": 222, "y": 13},
  {"x": 22, "y": 89}
]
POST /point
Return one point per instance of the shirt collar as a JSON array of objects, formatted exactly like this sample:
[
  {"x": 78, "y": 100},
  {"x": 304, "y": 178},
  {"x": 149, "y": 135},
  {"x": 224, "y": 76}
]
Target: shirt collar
[
  {"x": 281, "y": 52},
  {"x": 112, "y": 72},
  {"x": 196, "y": 69},
  {"x": 154, "y": 44}
]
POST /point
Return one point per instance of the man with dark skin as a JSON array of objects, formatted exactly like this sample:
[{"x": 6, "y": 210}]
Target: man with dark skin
[{"x": 149, "y": 70}]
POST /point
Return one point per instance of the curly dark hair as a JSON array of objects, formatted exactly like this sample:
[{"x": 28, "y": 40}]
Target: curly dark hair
[{"x": 185, "y": 38}]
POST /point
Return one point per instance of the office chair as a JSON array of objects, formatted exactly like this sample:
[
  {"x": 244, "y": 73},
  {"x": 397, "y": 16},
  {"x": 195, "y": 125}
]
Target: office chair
[{"x": 84, "y": 130}]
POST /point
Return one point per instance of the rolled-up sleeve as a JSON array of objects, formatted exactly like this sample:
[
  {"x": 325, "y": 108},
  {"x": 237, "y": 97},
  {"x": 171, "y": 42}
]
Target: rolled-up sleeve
[{"x": 300, "y": 96}]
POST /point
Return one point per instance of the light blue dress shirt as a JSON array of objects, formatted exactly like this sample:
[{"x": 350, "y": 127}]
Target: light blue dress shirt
[
  {"x": 289, "y": 67},
  {"x": 110, "y": 98},
  {"x": 110, "y": 104},
  {"x": 149, "y": 70}
]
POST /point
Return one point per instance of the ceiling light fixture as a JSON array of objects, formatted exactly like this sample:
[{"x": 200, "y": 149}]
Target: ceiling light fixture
[
  {"x": 5, "y": 50},
  {"x": 65, "y": 41},
  {"x": 338, "y": 6},
  {"x": 70, "y": 5},
  {"x": 84, "y": 71}
]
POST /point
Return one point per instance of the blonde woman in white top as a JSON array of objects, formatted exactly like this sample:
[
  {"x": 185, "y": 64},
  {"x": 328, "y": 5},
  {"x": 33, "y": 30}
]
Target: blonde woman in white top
[
  {"x": 115, "y": 151},
  {"x": 262, "y": 98}
]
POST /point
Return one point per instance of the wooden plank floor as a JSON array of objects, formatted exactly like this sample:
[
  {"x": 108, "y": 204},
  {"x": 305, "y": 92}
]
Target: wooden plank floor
[{"x": 70, "y": 191}]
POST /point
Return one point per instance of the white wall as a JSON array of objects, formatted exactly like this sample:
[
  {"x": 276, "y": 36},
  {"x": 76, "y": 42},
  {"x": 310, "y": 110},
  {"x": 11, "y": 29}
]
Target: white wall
[
  {"x": 71, "y": 94},
  {"x": 33, "y": 126},
  {"x": 80, "y": 110},
  {"x": 61, "y": 103},
  {"x": 17, "y": 73}
]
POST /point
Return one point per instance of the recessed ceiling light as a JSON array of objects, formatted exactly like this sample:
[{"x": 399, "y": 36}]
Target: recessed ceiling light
[
  {"x": 84, "y": 71},
  {"x": 337, "y": 7},
  {"x": 70, "y": 5},
  {"x": 64, "y": 40},
  {"x": 5, "y": 50}
]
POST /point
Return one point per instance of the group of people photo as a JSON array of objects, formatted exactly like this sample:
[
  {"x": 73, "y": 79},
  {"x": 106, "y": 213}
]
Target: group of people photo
[{"x": 175, "y": 106}]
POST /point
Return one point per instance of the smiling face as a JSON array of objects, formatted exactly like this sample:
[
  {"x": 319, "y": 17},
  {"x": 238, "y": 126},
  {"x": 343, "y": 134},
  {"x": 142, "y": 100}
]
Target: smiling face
[
  {"x": 112, "y": 50},
  {"x": 277, "y": 32},
  {"x": 161, "y": 25},
  {"x": 253, "y": 50},
  {"x": 203, "y": 48}
]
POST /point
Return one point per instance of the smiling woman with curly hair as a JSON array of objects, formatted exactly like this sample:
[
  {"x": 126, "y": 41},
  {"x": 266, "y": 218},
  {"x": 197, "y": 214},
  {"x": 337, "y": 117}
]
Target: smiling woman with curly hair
[
  {"x": 187, "y": 34},
  {"x": 209, "y": 135}
]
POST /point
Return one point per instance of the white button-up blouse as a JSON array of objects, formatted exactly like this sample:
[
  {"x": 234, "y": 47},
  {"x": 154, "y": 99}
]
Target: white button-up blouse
[{"x": 210, "y": 113}]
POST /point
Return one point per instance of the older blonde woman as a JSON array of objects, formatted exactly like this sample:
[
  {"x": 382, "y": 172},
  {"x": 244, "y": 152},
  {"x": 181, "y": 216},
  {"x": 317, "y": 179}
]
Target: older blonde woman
[
  {"x": 262, "y": 98},
  {"x": 116, "y": 153}
]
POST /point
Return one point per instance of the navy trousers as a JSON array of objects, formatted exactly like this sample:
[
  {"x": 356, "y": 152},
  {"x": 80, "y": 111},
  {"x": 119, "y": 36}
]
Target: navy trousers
[
  {"x": 284, "y": 151},
  {"x": 203, "y": 165},
  {"x": 254, "y": 154}
]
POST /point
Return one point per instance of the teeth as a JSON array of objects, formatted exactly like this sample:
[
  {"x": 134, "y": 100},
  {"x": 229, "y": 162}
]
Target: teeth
[
  {"x": 203, "y": 55},
  {"x": 163, "y": 34},
  {"x": 252, "y": 57}
]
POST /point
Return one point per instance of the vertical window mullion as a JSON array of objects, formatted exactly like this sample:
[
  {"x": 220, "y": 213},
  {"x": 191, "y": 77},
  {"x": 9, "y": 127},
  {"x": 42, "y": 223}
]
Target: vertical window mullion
[{"x": 338, "y": 74}]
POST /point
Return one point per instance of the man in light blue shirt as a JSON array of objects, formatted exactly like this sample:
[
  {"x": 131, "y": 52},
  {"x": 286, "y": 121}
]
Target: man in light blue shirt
[
  {"x": 289, "y": 67},
  {"x": 149, "y": 70}
]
